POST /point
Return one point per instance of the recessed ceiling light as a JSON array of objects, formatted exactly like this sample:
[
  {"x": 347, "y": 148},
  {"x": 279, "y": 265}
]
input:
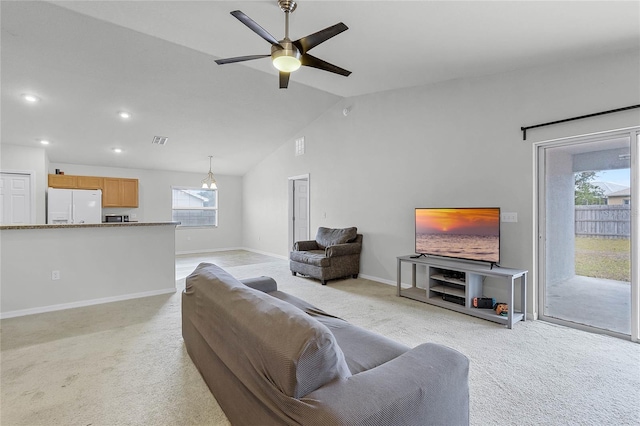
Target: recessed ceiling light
[
  {"x": 124, "y": 114},
  {"x": 44, "y": 141},
  {"x": 117, "y": 150},
  {"x": 30, "y": 98}
]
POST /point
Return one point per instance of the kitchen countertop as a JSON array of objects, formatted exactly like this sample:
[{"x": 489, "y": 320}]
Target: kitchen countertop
[{"x": 87, "y": 225}]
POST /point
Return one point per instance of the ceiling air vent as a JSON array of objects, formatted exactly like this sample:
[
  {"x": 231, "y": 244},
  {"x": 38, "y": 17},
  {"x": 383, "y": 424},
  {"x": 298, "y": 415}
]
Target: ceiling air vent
[{"x": 160, "y": 140}]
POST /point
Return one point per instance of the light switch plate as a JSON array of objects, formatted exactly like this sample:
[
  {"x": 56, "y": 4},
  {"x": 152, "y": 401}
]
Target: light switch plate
[{"x": 509, "y": 217}]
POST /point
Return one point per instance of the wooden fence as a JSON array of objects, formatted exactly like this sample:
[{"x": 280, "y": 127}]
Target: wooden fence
[{"x": 604, "y": 221}]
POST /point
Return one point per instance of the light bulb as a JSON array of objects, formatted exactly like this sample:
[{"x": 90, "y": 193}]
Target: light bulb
[{"x": 286, "y": 63}]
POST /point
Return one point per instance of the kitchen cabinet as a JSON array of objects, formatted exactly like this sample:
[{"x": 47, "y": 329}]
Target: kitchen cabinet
[
  {"x": 119, "y": 192},
  {"x": 75, "y": 182},
  {"x": 89, "y": 182},
  {"x": 116, "y": 192},
  {"x": 63, "y": 181}
]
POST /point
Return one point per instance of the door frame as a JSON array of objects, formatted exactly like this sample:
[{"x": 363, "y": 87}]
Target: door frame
[
  {"x": 291, "y": 206},
  {"x": 32, "y": 189},
  {"x": 539, "y": 207}
]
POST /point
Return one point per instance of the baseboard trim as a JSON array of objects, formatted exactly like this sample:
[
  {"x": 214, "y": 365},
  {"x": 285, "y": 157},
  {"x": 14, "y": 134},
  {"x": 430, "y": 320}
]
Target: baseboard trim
[
  {"x": 83, "y": 303},
  {"x": 277, "y": 256},
  {"x": 185, "y": 252},
  {"x": 378, "y": 279},
  {"x": 203, "y": 251}
]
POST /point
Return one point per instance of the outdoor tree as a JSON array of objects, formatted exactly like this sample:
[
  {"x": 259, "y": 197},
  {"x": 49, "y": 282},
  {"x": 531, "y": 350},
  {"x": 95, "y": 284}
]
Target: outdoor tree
[{"x": 586, "y": 192}]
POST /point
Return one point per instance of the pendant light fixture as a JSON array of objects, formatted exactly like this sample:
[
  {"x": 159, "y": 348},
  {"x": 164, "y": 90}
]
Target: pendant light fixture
[{"x": 209, "y": 181}]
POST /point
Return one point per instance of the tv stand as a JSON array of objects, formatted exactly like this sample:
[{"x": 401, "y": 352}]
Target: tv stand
[{"x": 453, "y": 285}]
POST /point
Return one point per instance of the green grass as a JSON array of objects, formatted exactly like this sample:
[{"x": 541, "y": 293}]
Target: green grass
[{"x": 603, "y": 258}]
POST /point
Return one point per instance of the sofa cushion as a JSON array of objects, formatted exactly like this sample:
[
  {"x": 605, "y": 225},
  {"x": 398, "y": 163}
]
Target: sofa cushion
[
  {"x": 363, "y": 350},
  {"x": 269, "y": 344},
  {"x": 311, "y": 257},
  {"x": 327, "y": 237}
]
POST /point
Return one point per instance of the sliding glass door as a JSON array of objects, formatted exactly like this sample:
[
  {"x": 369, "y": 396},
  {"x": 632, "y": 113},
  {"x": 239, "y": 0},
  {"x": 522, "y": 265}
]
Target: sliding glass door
[{"x": 588, "y": 235}]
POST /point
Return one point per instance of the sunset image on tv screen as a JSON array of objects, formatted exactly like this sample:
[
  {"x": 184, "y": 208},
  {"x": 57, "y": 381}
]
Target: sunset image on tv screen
[{"x": 467, "y": 233}]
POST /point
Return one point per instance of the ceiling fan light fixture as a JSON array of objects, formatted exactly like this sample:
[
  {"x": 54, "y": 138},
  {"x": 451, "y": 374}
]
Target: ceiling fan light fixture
[
  {"x": 287, "y": 58},
  {"x": 286, "y": 63},
  {"x": 286, "y": 55}
]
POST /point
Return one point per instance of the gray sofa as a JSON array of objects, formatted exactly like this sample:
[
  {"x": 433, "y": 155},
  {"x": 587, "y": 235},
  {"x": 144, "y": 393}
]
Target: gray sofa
[
  {"x": 335, "y": 253},
  {"x": 270, "y": 358}
]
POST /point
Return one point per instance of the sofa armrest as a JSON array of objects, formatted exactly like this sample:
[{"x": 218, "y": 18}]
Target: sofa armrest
[
  {"x": 343, "y": 249},
  {"x": 264, "y": 284},
  {"x": 426, "y": 385},
  {"x": 305, "y": 245}
]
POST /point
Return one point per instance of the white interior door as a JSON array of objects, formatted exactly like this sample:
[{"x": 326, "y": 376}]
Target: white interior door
[
  {"x": 15, "y": 199},
  {"x": 301, "y": 209},
  {"x": 298, "y": 209}
]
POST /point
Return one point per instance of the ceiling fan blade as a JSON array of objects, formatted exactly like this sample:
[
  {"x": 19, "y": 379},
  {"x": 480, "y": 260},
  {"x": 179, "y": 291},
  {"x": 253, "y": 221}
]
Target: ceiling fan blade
[
  {"x": 284, "y": 79},
  {"x": 307, "y": 43},
  {"x": 253, "y": 25},
  {"x": 312, "y": 61},
  {"x": 239, "y": 59}
]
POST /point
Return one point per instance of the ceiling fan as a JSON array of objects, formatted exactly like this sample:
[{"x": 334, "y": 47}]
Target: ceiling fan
[{"x": 287, "y": 55}]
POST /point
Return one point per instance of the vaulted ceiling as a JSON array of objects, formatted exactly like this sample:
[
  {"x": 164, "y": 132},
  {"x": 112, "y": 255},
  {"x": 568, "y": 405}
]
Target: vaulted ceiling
[{"x": 87, "y": 60}]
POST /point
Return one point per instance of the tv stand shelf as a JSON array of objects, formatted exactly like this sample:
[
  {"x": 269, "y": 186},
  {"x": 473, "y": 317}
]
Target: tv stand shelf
[{"x": 453, "y": 285}]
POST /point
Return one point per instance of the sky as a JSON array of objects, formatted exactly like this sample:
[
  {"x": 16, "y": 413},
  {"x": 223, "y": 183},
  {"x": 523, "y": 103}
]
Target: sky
[
  {"x": 469, "y": 221},
  {"x": 620, "y": 176}
]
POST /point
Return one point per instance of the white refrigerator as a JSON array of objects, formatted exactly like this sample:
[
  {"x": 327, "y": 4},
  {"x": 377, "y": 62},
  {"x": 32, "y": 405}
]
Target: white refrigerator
[{"x": 74, "y": 206}]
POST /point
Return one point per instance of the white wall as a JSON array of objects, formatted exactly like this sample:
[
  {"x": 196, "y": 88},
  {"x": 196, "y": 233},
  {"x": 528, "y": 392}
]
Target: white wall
[
  {"x": 453, "y": 144},
  {"x": 154, "y": 191},
  {"x": 96, "y": 265},
  {"x": 28, "y": 159}
]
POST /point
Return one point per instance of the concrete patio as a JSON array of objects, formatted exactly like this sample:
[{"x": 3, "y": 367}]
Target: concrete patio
[{"x": 600, "y": 303}]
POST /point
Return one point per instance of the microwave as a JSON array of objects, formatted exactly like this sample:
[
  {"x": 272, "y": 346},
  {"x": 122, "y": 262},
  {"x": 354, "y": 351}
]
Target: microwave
[{"x": 110, "y": 218}]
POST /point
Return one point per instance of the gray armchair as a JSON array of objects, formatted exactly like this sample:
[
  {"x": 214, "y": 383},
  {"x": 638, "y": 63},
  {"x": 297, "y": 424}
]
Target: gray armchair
[{"x": 335, "y": 253}]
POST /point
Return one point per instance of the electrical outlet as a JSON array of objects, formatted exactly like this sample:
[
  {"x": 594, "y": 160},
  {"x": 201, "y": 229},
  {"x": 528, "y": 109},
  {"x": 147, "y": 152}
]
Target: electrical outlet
[
  {"x": 55, "y": 275},
  {"x": 509, "y": 217}
]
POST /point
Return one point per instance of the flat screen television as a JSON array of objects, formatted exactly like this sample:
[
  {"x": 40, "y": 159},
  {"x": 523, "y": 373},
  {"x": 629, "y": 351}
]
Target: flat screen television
[{"x": 461, "y": 233}]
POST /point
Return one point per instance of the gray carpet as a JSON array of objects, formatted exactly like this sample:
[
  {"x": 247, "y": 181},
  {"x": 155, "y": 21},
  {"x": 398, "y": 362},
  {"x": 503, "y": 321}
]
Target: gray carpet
[{"x": 124, "y": 363}]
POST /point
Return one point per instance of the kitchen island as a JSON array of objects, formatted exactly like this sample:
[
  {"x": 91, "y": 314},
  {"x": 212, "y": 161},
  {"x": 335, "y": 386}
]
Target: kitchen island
[{"x": 52, "y": 267}]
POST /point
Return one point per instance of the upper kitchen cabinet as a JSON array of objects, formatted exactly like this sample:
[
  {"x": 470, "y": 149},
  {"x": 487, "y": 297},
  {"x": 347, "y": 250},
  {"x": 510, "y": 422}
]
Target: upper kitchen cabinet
[
  {"x": 90, "y": 182},
  {"x": 75, "y": 182},
  {"x": 119, "y": 192},
  {"x": 63, "y": 181},
  {"x": 116, "y": 192}
]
